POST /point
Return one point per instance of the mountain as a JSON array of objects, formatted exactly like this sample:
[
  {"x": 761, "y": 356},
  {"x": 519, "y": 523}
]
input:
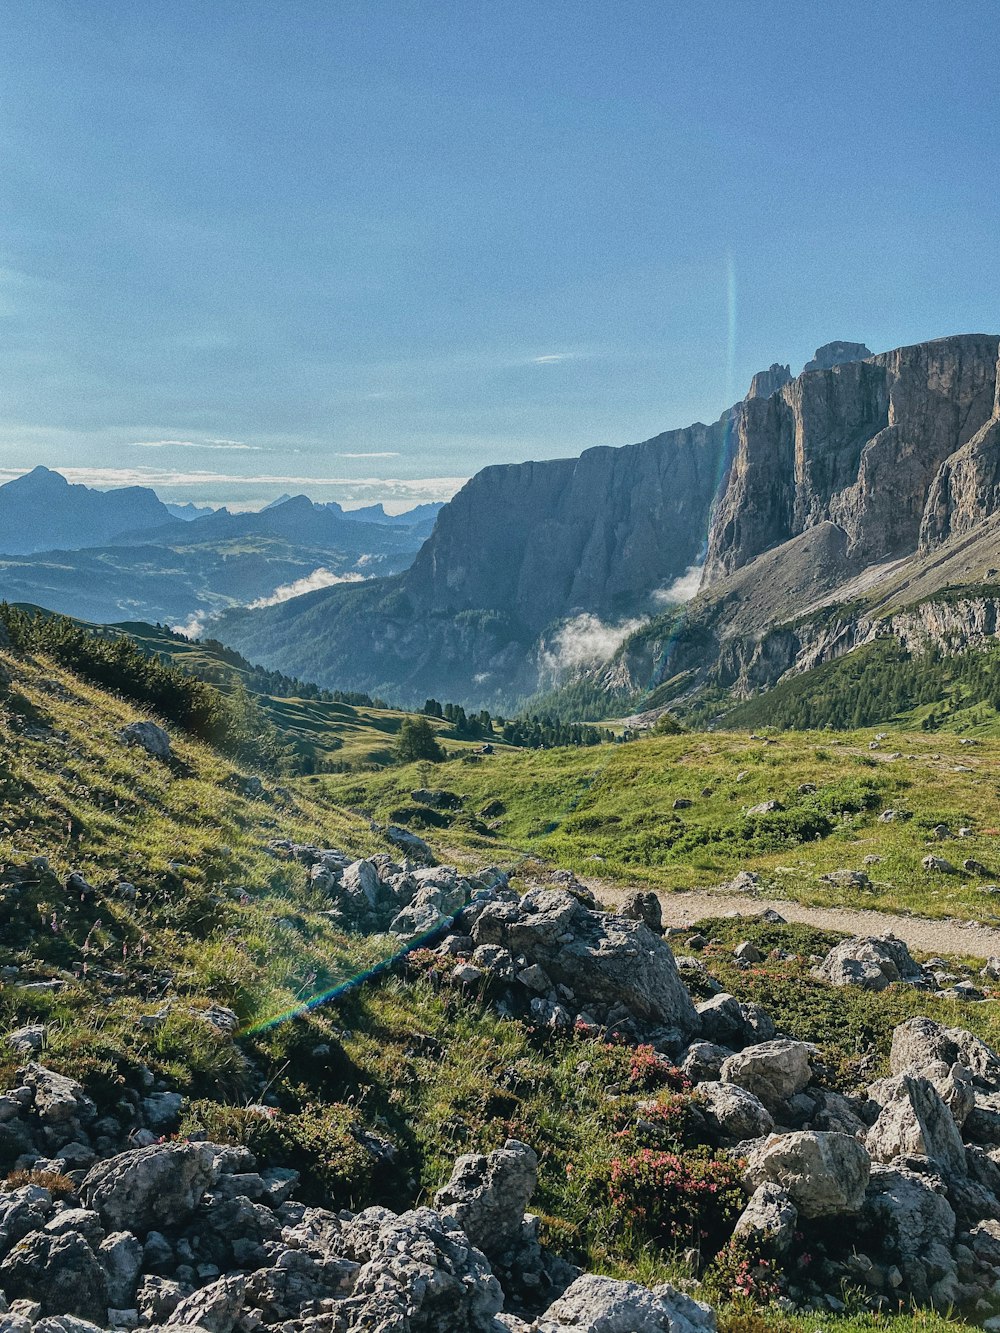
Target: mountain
[
  {"x": 862, "y": 504},
  {"x": 520, "y": 548},
  {"x": 41, "y": 511},
  {"x": 187, "y": 511},
  {"x": 181, "y": 571},
  {"x": 422, "y": 516}
]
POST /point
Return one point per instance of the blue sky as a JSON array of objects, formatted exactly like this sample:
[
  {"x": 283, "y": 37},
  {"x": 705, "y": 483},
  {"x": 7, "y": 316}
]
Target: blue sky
[{"x": 364, "y": 249}]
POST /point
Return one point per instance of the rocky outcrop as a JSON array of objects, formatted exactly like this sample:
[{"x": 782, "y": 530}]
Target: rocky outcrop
[{"x": 857, "y": 443}]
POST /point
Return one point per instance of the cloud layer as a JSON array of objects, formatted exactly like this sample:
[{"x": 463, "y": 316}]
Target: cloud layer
[
  {"x": 319, "y": 578},
  {"x": 586, "y": 640}
]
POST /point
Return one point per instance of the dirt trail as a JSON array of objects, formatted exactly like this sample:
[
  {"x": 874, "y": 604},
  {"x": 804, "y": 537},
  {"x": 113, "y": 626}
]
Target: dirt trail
[{"x": 947, "y": 936}]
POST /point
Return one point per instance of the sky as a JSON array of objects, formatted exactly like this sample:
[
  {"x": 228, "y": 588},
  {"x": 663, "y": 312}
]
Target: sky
[{"x": 363, "y": 249}]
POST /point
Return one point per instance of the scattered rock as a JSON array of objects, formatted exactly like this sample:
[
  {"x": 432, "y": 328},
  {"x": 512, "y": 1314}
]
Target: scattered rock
[
  {"x": 774, "y": 1071},
  {"x": 871, "y": 962},
  {"x": 149, "y": 737},
  {"x": 824, "y": 1175}
]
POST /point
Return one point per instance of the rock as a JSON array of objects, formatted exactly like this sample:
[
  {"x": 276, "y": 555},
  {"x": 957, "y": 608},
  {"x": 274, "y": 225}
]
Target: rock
[
  {"x": 774, "y": 1071},
  {"x": 747, "y": 881},
  {"x": 157, "y": 1298},
  {"x": 487, "y": 1197},
  {"x": 915, "y": 1122},
  {"x": 848, "y": 879},
  {"x": 149, "y": 737},
  {"x": 120, "y": 1255},
  {"x": 871, "y": 962},
  {"x": 732, "y": 1113},
  {"x": 214, "y": 1308},
  {"x": 606, "y": 961},
  {"x": 151, "y": 1187},
  {"x": 938, "y": 865},
  {"x": 765, "y": 808},
  {"x": 768, "y": 1221},
  {"x": 162, "y": 1110},
  {"x": 58, "y": 1100},
  {"x": 410, "y": 843},
  {"x": 908, "y": 1212},
  {"x": 417, "y": 1268},
  {"x": 58, "y": 1271},
  {"x": 595, "y": 1304},
  {"x": 27, "y": 1041},
  {"x": 644, "y": 907},
  {"x": 920, "y": 1042},
  {"x": 745, "y": 952},
  {"x": 825, "y": 1175},
  {"x": 22, "y": 1211},
  {"x": 437, "y": 798},
  {"x": 78, "y": 1221},
  {"x": 702, "y": 1061}
]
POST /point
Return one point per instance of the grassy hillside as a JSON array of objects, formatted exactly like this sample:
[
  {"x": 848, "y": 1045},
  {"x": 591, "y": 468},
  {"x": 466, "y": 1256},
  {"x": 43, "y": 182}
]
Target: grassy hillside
[
  {"x": 123, "y": 982},
  {"x": 619, "y": 813},
  {"x": 324, "y": 732}
]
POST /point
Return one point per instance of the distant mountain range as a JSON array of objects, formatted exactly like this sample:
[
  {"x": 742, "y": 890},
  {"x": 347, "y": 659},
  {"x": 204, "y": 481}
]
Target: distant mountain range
[
  {"x": 864, "y": 489},
  {"x": 105, "y": 555}
]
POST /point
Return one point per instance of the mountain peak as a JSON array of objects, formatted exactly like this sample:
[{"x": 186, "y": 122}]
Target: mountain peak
[
  {"x": 40, "y": 478},
  {"x": 837, "y": 354}
]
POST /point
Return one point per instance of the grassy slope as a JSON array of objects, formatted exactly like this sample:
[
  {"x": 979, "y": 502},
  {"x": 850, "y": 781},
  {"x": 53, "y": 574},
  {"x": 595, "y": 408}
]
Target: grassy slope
[
  {"x": 609, "y": 814},
  {"x": 355, "y": 737},
  {"x": 217, "y": 918}
]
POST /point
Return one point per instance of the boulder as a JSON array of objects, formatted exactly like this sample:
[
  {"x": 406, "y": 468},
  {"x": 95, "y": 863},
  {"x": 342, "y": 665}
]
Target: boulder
[
  {"x": 607, "y": 962},
  {"x": 487, "y": 1197},
  {"x": 913, "y": 1224},
  {"x": 120, "y": 1255},
  {"x": 58, "y": 1100},
  {"x": 60, "y": 1272},
  {"x": 22, "y": 1211},
  {"x": 768, "y": 1221},
  {"x": 702, "y": 1061},
  {"x": 644, "y": 907},
  {"x": 871, "y": 962},
  {"x": 153, "y": 1187},
  {"x": 595, "y": 1304},
  {"x": 825, "y": 1175},
  {"x": 731, "y": 1113},
  {"x": 421, "y": 1269},
  {"x": 914, "y": 1121},
  {"x": 774, "y": 1071},
  {"x": 414, "y": 846},
  {"x": 149, "y": 737},
  {"x": 214, "y": 1308}
]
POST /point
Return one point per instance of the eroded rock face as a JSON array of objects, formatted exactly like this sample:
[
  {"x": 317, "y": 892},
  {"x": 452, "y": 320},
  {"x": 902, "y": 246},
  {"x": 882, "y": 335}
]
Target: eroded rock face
[
  {"x": 487, "y": 1196},
  {"x": 860, "y": 444},
  {"x": 608, "y": 963},
  {"x": 824, "y": 1175},
  {"x": 915, "y": 1122}
]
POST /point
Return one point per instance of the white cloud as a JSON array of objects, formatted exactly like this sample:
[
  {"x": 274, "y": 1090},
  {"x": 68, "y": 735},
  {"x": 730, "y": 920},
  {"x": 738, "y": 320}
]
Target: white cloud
[
  {"x": 387, "y": 454},
  {"x": 552, "y": 358},
  {"x": 586, "y": 640},
  {"x": 193, "y": 444},
  {"x": 358, "y": 490},
  {"x": 195, "y": 625},
  {"x": 319, "y": 578},
  {"x": 683, "y": 588}
]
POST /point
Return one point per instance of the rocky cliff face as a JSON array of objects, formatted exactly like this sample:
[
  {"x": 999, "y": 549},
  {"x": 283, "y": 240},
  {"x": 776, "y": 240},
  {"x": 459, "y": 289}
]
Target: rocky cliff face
[
  {"x": 862, "y": 444},
  {"x": 597, "y": 533}
]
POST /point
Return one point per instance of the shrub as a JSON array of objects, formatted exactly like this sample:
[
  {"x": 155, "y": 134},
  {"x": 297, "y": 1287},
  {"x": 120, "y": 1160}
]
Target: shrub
[
  {"x": 677, "y": 1200},
  {"x": 57, "y": 1184}
]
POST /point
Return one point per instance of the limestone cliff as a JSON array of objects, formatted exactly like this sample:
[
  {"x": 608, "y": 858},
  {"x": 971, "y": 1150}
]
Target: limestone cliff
[
  {"x": 861, "y": 444},
  {"x": 597, "y": 533}
]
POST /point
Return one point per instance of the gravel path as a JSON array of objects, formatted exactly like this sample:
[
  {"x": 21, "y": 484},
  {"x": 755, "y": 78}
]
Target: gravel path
[{"x": 947, "y": 936}]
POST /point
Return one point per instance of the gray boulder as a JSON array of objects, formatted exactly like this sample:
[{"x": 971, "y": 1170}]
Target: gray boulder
[
  {"x": 774, "y": 1071},
  {"x": 595, "y": 1304},
  {"x": 60, "y": 1272},
  {"x": 870, "y": 962},
  {"x": 153, "y": 1187},
  {"x": 149, "y": 737},
  {"x": 825, "y": 1175},
  {"x": 644, "y": 907},
  {"x": 702, "y": 1061},
  {"x": 214, "y": 1308},
  {"x": 487, "y": 1197},
  {"x": 768, "y": 1221},
  {"x": 915, "y": 1121},
  {"x": 22, "y": 1211},
  {"x": 731, "y": 1113},
  {"x": 608, "y": 963},
  {"x": 914, "y": 1225},
  {"x": 120, "y": 1255},
  {"x": 58, "y": 1100}
]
